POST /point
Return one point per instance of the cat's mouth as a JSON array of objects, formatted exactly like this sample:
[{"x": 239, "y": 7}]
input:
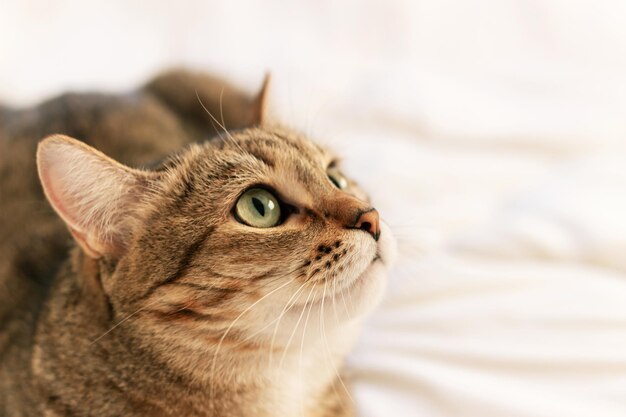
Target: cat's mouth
[
  {"x": 359, "y": 279},
  {"x": 377, "y": 257},
  {"x": 352, "y": 283},
  {"x": 357, "y": 289}
]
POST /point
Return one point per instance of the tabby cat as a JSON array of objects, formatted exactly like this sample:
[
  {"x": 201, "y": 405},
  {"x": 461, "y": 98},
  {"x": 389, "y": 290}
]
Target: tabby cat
[{"x": 222, "y": 277}]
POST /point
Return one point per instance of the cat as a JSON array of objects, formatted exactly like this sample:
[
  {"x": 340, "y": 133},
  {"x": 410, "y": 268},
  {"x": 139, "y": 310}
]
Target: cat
[{"x": 186, "y": 258}]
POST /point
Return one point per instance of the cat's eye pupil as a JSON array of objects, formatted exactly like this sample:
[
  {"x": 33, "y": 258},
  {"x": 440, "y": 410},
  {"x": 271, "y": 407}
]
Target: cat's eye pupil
[
  {"x": 259, "y": 208},
  {"x": 337, "y": 178},
  {"x": 334, "y": 181},
  {"x": 258, "y": 205}
]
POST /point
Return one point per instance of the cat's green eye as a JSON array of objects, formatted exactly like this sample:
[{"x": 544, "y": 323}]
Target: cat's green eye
[
  {"x": 258, "y": 208},
  {"x": 337, "y": 178}
]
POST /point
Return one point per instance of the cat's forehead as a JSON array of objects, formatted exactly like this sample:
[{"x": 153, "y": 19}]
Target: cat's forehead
[
  {"x": 281, "y": 158},
  {"x": 274, "y": 145},
  {"x": 289, "y": 163},
  {"x": 277, "y": 150}
]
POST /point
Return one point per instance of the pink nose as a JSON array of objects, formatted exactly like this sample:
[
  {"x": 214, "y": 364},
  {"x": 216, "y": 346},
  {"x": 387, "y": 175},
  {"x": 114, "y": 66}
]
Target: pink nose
[{"x": 369, "y": 221}]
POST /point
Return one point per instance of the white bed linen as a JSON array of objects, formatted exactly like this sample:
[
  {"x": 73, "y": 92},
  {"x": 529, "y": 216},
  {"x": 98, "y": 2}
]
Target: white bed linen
[{"x": 510, "y": 295}]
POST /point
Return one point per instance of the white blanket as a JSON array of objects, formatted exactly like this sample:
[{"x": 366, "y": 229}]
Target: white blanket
[
  {"x": 510, "y": 295},
  {"x": 489, "y": 133}
]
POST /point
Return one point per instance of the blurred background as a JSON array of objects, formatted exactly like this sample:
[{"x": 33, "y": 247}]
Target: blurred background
[{"x": 490, "y": 134}]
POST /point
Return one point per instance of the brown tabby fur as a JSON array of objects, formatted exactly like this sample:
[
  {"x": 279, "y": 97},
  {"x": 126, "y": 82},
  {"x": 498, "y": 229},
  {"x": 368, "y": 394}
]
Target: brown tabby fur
[{"x": 174, "y": 320}]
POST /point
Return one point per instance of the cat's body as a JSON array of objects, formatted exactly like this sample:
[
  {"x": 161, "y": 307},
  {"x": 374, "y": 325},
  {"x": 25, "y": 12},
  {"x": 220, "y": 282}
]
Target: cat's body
[{"x": 166, "y": 307}]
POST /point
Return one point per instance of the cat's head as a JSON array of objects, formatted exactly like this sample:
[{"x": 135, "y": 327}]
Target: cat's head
[{"x": 242, "y": 237}]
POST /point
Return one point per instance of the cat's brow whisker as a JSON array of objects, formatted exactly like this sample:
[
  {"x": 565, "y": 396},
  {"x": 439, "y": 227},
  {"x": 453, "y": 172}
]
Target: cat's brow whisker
[
  {"x": 228, "y": 135},
  {"x": 213, "y": 121},
  {"x": 210, "y": 114},
  {"x": 213, "y": 118},
  {"x": 224, "y": 123}
]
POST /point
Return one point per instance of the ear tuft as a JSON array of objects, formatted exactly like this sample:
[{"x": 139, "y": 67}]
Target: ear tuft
[{"x": 96, "y": 196}]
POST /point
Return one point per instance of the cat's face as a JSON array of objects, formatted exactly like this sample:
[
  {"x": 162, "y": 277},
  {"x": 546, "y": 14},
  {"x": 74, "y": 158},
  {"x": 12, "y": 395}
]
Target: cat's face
[{"x": 249, "y": 235}]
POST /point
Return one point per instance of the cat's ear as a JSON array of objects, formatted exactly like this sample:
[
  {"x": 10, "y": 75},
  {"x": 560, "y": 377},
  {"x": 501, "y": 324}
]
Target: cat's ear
[
  {"x": 259, "y": 105},
  {"x": 96, "y": 196}
]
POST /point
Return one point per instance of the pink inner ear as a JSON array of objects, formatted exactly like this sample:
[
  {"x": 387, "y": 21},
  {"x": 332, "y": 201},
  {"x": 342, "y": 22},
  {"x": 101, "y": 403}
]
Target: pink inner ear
[
  {"x": 85, "y": 188},
  {"x": 52, "y": 187},
  {"x": 82, "y": 242}
]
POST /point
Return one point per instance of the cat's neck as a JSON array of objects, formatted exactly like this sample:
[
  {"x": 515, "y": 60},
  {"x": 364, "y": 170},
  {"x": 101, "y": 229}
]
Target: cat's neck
[
  {"x": 301, "y": 380},
  {"x": 192, "y": 380},
  {"x": 306, "y": 377}
]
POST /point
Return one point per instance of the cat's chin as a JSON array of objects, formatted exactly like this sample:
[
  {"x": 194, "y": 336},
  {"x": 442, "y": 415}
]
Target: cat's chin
[{"x": 366, "y": 291}]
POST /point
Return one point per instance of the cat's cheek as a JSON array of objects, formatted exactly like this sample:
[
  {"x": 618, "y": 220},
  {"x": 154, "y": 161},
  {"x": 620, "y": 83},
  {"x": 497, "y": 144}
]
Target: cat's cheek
[{"x": 367, "y": 292}]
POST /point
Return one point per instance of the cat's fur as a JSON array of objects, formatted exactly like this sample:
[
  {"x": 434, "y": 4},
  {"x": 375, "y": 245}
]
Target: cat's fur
[{"x": 168, "y": 306}]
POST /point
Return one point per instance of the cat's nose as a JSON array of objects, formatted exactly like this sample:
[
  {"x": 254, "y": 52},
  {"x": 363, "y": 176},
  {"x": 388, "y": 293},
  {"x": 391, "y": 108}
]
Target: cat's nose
[{"x": 368, "y": 221}]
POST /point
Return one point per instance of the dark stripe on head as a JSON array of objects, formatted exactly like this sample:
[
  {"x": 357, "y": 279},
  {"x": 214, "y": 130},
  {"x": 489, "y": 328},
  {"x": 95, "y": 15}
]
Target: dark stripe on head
[
  {"x": 263, "y": 157},
  {"x": 183, "y": 265},
  {"x": 272, "y": 143},
  {"x": 188, "y": 187},
  {"x": 184, "y": 314},
  {"x": 304, "y": 173},
  {"x": 286, "y": 140}
]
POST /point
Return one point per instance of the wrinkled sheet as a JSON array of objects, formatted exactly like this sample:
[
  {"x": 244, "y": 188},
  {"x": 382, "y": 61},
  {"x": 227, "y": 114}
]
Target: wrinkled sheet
[{"x": 509, "y": 298}]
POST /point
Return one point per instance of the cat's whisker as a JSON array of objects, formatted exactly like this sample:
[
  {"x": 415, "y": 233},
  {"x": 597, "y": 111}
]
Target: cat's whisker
[
  {"x": 334, "y": 290},
  {"x": 322, "y": 328},
  {"x": 349, "y": 299},
  {"x": 295, "y": 328},
  {"x": 228, "y": 135},
  {"x": 210, "y": 114},
  {"x": 278, "y": 277},
  {"x": 218, "y": 131},
  {"x": 219, "y": 345},
  {"x": 253, "y": 335},
  {"x": 135, "y": 313},
  {"x": 213, "y": 121},
  {"x": 119, "y": 323},
  {"x": 302, "y": 339},
  {"x": 330, "y": 357},
  {"x": 224, "y": 123},
  {"x": 280, "y": 317},
  {"x": 343, "y": 298}
]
